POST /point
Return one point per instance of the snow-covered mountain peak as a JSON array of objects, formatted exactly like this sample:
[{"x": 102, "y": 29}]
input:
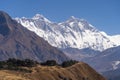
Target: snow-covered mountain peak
[
  {"x": 76, "y": 23},
  {"x": 73, "y": 33},
  {"x": 40, "y": 17},
  {"x": 73, "y": 19}
]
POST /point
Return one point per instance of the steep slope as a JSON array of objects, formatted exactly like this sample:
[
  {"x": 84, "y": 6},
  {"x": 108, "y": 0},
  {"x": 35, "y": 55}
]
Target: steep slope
[
  {"x": 73, "y": 33},
  {"x": 18, "y": 42},
  {"x": 109, "y": 59},
  {"x": 80, "y": 71}
]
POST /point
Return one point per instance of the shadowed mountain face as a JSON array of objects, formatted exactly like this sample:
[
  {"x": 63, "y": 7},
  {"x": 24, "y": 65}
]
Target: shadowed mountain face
[
  {"x": 113, "y": 74},
  {"x": 80, "y": 54},
  {"x": 18, "y": 42},
  {"x": 4, "y": 29},
  {"x": 107, "y": 60}
]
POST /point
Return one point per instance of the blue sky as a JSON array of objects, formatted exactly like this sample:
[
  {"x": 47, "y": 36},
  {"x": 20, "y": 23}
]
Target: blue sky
[{"x": 103, "y": 14}]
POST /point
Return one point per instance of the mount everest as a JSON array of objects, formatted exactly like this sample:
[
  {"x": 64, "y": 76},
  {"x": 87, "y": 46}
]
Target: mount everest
[{"x": 73, "y": 33}]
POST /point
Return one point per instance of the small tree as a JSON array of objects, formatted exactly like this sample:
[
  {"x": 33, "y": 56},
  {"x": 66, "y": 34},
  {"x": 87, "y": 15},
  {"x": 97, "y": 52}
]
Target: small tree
[{"x": 29, "y": 63}]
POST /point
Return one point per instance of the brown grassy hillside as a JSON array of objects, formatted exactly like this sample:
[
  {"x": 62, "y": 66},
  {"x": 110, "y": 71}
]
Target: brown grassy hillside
[{"x": 79, "y": 71}]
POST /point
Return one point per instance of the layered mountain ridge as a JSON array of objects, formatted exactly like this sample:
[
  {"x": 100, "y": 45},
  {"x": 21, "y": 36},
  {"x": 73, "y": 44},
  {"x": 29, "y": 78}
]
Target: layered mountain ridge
[
  {"x": 73, "y": 33},
  {"x": 109, "y": 59}
]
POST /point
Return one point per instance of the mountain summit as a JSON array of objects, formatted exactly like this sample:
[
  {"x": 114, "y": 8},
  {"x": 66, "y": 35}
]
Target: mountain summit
[
  {"x": 18, "y": 42},
  {"x": 73, "y": 33},
  {"x": 40, "y": 17},
  {"x": 4, "y": 29}
]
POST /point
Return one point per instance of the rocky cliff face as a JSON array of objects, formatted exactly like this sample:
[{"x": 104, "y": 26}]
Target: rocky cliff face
[{"x": 18, "y": 42}]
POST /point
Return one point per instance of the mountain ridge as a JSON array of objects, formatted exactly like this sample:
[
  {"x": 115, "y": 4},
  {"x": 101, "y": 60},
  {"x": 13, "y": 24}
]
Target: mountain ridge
[
  {"x": 18, "y": 42},
  {"x": 79, "y": 71},
  {"x": 109, "y": 59},
  {"x": 74, "y": 33}
]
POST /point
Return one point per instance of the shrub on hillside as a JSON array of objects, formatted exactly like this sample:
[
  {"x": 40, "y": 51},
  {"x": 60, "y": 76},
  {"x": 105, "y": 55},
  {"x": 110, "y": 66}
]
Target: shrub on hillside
[
  {"x": 54, "y": 63},
  {"x": 49, "y": 63},
  {"x": 68, "y": 63},
  {"x": 15, "y": 64},
  {"x": 24, "y": 63}
]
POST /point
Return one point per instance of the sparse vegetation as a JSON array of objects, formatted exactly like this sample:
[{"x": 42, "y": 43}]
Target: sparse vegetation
[
  {"x": 68, "y": 63},
  {"x": 54, "y": 63},
  {"x": 49, "y": 63},
  {"x": 15, "y": 64},
  {"x": 31, "y": 70}
]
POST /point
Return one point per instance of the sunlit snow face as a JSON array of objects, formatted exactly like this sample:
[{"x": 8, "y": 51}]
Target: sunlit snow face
[{"x": 74, "y": 33}]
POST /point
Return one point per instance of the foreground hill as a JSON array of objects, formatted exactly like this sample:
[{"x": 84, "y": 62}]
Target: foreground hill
[
  {"x": 18, "y": 42},
  {"x": 79, "y": 71}
]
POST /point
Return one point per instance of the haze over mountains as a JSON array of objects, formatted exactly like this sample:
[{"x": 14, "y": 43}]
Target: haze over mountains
[
  {"x": 112, "y": 74},
  {"x": 109, "y": 59}
]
